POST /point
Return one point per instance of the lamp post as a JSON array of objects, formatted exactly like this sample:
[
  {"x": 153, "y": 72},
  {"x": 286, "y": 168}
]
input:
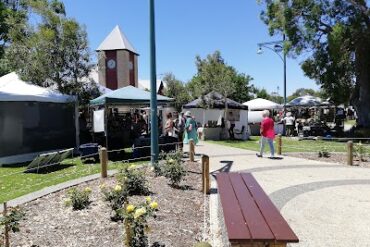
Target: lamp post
[
  {"x": 154, "y": 151},
  {"x": 277, "y": 47}
]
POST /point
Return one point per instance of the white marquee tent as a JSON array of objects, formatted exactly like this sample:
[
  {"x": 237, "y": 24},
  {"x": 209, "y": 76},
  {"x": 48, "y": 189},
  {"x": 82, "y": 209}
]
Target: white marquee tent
[
  {"x": 262, "y": 104},
  {"x": 34, "y": 120}
]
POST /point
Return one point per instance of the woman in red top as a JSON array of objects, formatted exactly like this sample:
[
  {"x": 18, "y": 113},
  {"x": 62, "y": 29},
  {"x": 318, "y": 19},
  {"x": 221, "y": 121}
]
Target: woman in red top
[{"x": 267, "y": 134}]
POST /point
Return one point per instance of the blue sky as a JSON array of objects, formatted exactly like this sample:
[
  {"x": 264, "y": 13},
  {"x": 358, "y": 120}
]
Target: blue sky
[{"x": 186, "y": 28}]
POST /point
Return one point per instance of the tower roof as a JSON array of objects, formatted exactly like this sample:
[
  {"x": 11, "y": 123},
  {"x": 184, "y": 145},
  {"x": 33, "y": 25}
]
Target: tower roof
[{"x": 116, "y": 40}]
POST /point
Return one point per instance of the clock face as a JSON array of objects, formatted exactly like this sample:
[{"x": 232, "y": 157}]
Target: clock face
[{"x": 111, "y": 64}]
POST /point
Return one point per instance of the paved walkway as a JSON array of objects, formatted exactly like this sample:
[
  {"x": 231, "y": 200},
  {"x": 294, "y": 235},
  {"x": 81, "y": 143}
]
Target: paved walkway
[{"x": 326, "y": 204}]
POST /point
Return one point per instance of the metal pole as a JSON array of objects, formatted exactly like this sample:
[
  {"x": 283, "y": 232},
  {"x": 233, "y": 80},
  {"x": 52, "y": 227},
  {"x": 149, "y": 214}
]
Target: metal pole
[
  {"x": 284, "y": 75},
  {"x": 153, "y": 87}
]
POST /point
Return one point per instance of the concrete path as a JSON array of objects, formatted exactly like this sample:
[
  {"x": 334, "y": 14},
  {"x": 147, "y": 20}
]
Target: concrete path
[{"x": 326, "y": 204}]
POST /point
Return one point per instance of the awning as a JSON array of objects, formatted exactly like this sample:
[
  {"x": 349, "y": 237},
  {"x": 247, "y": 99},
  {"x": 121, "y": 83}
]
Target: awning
[
  {"x": 128, "y": 95},
  {"x": 214, "y": 100},
  {"x": 262, "y": 104}
]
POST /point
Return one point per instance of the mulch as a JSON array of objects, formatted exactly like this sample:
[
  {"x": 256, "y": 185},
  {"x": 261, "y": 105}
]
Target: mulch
[
  {"x": 339, "y": 158},
  {"x": 180, "y": 220}
]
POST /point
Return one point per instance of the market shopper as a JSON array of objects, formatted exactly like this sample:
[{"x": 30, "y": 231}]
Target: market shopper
[
  {"x": 169, "y": 127},
  {"x": 289, "y": 124},
  {"x": 267, "y": 134},
  {"x": 180, "y": 127},
  {"x": 190, "y": 129}
]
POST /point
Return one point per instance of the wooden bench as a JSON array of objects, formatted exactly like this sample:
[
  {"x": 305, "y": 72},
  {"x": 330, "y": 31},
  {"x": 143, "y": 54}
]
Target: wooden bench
[{"x": 251, "y": 219}]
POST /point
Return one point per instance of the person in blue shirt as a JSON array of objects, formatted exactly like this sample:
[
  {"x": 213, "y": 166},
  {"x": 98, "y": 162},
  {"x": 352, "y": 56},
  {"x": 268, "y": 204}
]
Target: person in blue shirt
[{"x": 190, "y": 129}]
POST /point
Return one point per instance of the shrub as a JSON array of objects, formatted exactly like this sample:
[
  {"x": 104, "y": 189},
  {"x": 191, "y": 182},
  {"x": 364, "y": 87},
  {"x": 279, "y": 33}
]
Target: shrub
[
  {"x": 157, "y": 169},
  {"x": 78, "y": 199},
  {"x": 117, "y": 197},
  {"x": 136, "y": 219},
  {"x": 324, "y": 153},
  {"x": 133, "y": 181},
  {"x": 12, "y": 218},
  {"x": 174, "y": 171},
  {"x": 360, "y": 152}
]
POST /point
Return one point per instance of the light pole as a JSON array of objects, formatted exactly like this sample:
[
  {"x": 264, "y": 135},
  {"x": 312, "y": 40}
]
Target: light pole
[
  {"x": 277, "y": 47},
  {"x": 154, "y": 151}
]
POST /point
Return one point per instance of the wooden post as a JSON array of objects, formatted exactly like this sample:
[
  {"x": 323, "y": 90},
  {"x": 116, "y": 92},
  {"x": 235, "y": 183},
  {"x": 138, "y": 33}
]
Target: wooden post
[
  {"x": 350, "y": 153},
  {"x": 280, "y": 143},
  {"x": 6, "y": 228},
  {"x": 205, "y": 174},
  {"x": 191, "y": 150},
  {"x": 104, "y": 162},
  {"x": 127, "y": 228}
]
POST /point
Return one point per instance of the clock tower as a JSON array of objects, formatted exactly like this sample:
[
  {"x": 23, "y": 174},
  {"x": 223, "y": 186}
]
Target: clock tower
[{"x": 117, "y": 61}]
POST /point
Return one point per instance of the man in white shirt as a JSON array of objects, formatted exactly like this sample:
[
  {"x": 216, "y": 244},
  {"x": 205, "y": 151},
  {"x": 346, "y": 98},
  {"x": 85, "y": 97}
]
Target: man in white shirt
[{"x": 289, "y": 124}]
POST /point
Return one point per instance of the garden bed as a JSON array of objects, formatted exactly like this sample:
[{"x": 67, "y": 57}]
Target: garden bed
[
  {"x": 340, "y": 158},
  {"x": 179, "y": 222}
]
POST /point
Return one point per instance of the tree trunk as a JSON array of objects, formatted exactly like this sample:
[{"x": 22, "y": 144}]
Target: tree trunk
[{"x": 361, "y": 97}]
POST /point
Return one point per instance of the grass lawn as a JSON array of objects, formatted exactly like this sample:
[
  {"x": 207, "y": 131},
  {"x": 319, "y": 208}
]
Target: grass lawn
[
  {"x": 14, "y": 182},
  {"x": 289, "y": 145}
]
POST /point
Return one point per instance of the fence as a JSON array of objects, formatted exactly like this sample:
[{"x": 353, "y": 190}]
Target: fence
[{"x": 352, "y": 147}]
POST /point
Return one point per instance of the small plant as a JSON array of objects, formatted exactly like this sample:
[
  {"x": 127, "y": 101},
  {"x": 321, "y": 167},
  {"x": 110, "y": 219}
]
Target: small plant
[
  {"x": 360, "y": 152},
  {"x": 12, "y": 219},
  {"x": 324, "y": 153},
  {"x": 116, "y": 197},
  {"x": 202, "y": 244},
  {"x": 133, "y": 181},
  {"x": 136, "y": 220},
  {"x": 157, "y": 169},
  {"x": 174, "y": 171},
  {"x": 78, "y": 199}
]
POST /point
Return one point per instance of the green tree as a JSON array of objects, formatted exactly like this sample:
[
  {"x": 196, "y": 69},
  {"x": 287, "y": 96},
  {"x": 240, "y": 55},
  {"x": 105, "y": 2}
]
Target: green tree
[
  {"x": 262, "y": 93},
  {"x": 177, "y": 90},
  {"x": 53, "y": 52},
  {"x": 214, "y": 74},
  {"x": 335, "y": 37}
]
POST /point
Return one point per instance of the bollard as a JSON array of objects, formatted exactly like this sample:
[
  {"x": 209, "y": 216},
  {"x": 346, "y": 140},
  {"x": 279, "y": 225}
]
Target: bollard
[
  {"x": 191, "y": 150},
  {"x": 127, "y": 228},
  {"x": 279, "y": 144},
  {"x": 6, "y": 228},
  {"x": 205, "y": 174},
  {"x": 350, "y": 153},
  {"x": 104, "y": 162}
]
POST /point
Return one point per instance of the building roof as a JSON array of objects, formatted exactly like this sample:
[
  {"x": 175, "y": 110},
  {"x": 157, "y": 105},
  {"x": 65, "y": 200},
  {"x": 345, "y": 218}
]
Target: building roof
[
  {"x": 128, "y": 95},
  {"x": 215, "y": 101},
  {"x": 12, "y": 88},
  {"x": 116, "y": 40}
]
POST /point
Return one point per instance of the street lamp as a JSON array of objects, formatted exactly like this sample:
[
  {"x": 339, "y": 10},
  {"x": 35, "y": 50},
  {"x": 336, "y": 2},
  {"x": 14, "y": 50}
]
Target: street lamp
[{"x": 277, "y": 48}]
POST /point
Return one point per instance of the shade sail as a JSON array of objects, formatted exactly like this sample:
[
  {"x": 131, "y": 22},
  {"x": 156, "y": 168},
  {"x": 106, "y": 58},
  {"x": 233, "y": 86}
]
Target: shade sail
[
  {"x": 12, "y": 88},
  {"x": 214, "y": 100},
  {"x": 262, "y": 104},
  {"x": 128, "y": 95}
]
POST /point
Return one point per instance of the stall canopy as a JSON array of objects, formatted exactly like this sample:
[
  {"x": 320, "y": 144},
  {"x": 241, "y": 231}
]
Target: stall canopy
[
  {"x": 308, "y": 101},
  {"x": 127, "y": 95},
  {"x": 12, "y": 88},
  {"x": 262, "y": 104},
  {"x": 215, "y": 101}
]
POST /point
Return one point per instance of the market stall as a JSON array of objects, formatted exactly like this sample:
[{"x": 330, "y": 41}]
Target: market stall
[
  {"x": 209, "y": 112},
  {"x": 121, "y": 117},
  {"x": 34, "y": 120},
  {"x": 255, "y": 109}
]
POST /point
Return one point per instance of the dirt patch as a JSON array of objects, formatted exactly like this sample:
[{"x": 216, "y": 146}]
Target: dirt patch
[
  {"x": 180, "y": 220},
  {"x": 340, "y": 158}
]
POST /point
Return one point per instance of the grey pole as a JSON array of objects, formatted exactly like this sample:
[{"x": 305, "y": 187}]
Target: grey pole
[
  {"x": 284, "y": 75},
  {"x": 153, "y": 87}
]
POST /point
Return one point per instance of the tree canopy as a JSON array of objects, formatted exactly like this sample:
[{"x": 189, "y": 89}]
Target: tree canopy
[
  {"x": 52, "y": 51},
  {"x": 214, "y": 74},
  {"x": 334, "y": 37},
  {"x": 176, "y": 89}
]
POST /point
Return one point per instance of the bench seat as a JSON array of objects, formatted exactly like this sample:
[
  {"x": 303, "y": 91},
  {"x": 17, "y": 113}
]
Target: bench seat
[{"x": 251, "y": 219}]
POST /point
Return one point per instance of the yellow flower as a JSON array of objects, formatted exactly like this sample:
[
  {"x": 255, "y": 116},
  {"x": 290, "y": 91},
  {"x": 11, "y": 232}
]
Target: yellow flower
[
  {"x": 88, "y": 190},
  {"x": 131, "y": 167},
  {"x": 118, "y": 188},
  {"x": 67, "y": 202},
  {"x": 130, "y": 208},
  {"x": 154, "y": 205},
  {"x": 102, "y": 186},
  {"x": 148, "y": 199},
  {"x": 139, "y": 212},
  {"x": 171, "y": 161}
]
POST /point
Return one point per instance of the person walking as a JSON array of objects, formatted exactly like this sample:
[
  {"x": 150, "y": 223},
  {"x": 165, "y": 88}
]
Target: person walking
[
  {"x": 169, "y": 127},
  {"x": 267, "y": 134},
  {"x": 180, "y": 126},
  {"x": 190, "y": 129},
  {"x": 289, "y": 124}
]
